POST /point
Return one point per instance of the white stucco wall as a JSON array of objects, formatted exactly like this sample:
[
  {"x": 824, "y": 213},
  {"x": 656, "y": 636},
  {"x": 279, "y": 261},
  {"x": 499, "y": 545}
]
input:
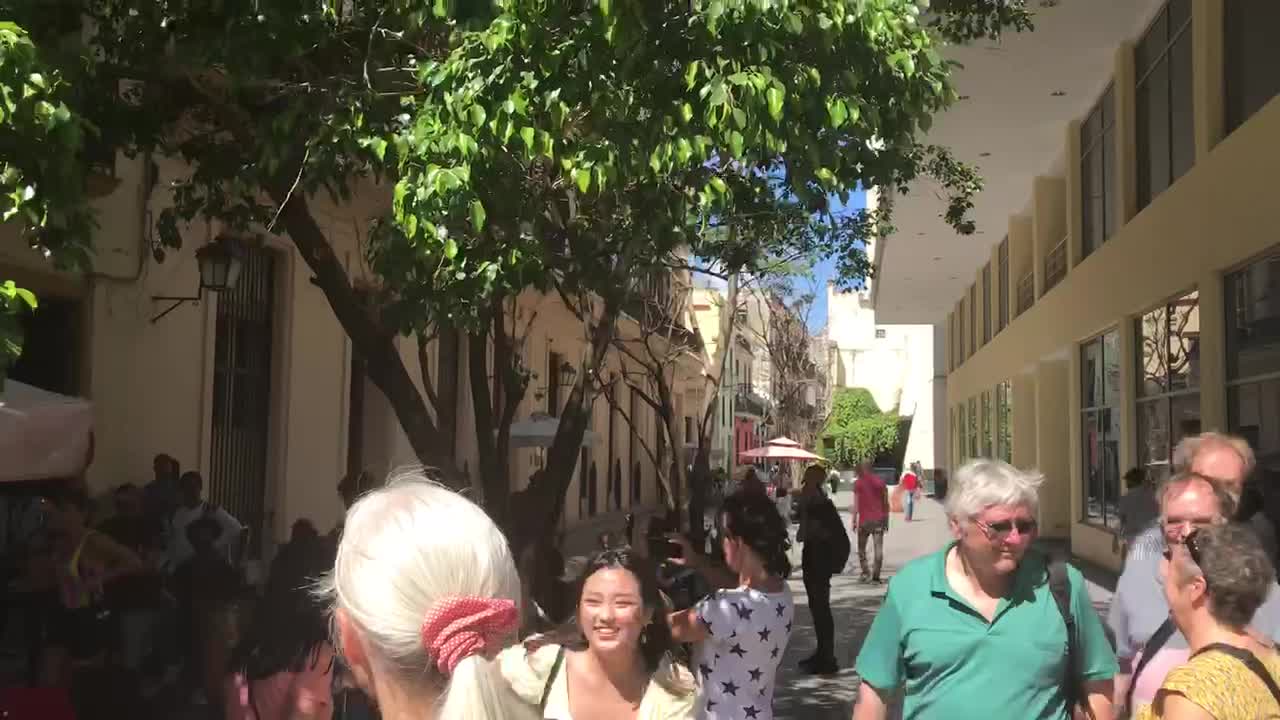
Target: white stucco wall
[{"x": 898, "y": 368}]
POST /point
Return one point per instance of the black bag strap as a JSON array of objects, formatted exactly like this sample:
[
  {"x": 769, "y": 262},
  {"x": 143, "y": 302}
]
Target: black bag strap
[
  {"x": 1060, "y": 588},
  {"x": 551, "y": 680},
  {"x": 1250, "y": 661},
  {"x": 1149, "y": 650}
]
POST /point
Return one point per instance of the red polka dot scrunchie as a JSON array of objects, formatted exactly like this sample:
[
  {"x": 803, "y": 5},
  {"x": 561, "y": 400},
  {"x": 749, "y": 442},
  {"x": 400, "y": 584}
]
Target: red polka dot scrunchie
[{"x": 459, "y": 627}]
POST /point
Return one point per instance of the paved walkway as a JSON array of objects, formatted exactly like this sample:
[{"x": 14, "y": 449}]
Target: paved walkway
[{"x": 854, "y": 605}]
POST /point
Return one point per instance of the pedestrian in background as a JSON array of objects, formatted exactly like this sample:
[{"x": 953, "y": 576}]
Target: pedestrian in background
[
  {"x": 910, "y": 488},
  {"x": 870, "y": 512},
  {"x": 1215, "y": 581},
  {"x": 976, "y": 629},
  {"x": 1138, "y": 508},
  {"x": 826, "y": 550}
]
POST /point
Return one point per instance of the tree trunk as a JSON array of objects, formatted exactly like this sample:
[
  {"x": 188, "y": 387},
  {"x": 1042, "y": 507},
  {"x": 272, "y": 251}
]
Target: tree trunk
[
  {"x": 543, "y": 507},
  {"x": 384, "y": 365}
]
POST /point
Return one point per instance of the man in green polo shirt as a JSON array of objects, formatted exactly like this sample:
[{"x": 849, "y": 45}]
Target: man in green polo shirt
[{"x": 973, "y": 631}]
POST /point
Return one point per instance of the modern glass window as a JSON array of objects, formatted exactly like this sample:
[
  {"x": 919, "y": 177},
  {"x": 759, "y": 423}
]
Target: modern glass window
[
  {"x": 1252, "y": 57},
  {"x": 1168, "y": 357},
  {"x": 1100, "y": 429},
  {"x": 986, "y": 304},
  {"x": 1002, "y": 292},
  {"x": 1004, "y": 421},
  {"x": 1098, "y": 173},
  {"x": 972, "y": 427},
  {"x": 988, "y": 439},
  {"x": 1253, "y": 357},
  {"x": 1166, "y": 138}
]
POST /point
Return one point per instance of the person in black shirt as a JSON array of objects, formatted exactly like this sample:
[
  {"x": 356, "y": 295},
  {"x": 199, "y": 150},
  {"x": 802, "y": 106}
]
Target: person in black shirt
[{"x": 136, "y": 599}]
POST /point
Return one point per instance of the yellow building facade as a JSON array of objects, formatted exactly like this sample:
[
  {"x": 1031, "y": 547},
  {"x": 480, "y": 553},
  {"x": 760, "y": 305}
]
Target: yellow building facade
[{"x": 1136, "y": 298}]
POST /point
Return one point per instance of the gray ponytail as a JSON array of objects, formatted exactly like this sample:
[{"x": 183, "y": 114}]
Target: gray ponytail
[{"x": 404, "y": 548}]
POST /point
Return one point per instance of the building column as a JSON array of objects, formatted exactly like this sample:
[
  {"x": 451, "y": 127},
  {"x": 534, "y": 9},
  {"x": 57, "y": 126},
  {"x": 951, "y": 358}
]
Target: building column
[
  {"x": 1208, "y": 62},
  {"x": 1125, "y": 194},
  {"x": 1053, "y": 448},
  {"x": 1129, "y": 360},
  {"x": 1048, "y": 221}
]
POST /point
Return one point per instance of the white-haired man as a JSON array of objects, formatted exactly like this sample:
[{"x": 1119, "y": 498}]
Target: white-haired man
[
  {"x": 1229, "y": 461},
  {"x": 1147, "y": 644}
]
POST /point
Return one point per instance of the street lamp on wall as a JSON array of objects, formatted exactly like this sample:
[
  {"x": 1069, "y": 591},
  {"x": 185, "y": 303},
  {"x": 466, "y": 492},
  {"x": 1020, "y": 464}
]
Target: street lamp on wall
[{"x": 219, "y": 263}]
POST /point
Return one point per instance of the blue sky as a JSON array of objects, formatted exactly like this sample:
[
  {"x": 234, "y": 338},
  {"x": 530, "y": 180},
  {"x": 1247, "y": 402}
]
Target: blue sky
[{"x": 826, "y": 269}]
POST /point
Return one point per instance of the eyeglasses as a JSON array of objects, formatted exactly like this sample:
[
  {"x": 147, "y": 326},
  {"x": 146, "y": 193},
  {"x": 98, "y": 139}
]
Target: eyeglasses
[{"x": 1002, "y": 528}]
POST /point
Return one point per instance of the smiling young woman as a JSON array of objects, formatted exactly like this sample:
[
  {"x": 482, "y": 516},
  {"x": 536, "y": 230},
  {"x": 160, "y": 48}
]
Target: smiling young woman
[{"x": 614, "y": 659}]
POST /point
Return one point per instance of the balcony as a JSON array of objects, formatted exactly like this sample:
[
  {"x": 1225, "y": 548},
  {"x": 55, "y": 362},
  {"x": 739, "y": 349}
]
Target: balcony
[
  {"x": 747, "y": 402},
  {"x": 1055, "y": 265},
  {"x": 1026, "y": 292}
]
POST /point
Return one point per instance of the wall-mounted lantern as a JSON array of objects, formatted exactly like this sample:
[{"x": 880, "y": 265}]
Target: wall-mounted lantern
[{"x": 219, "y": 263}]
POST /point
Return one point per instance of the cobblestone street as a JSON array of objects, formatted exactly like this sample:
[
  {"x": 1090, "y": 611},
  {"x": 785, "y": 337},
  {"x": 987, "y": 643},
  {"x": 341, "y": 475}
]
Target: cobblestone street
[{"x": 854, "y": 606}]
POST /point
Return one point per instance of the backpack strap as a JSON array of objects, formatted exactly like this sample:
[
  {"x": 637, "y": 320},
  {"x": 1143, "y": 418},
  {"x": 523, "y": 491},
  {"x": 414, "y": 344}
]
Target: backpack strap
[
  {"x": 1149, "y": 650},
  {"x": 1060, "y": 588},
  {"x": 1250, "y": 661},
  {"x": 551, "y": 680}
]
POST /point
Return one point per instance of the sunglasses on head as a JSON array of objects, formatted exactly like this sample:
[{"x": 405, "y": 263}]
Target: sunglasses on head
[
  {"x": 1192, "y": 542},
  {"x": 1002, "y": 528}
]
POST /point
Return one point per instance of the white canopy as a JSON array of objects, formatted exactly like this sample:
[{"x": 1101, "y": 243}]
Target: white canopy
[
  {"x": 538, "y": 431},
  {"x": 43, "y": 434}
]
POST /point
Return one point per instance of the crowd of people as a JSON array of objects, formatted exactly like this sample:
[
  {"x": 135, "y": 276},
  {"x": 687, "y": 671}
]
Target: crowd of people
[{"x": 415, "y": 607}]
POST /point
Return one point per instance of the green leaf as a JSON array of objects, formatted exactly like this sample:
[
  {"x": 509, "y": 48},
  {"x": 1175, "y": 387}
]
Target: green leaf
[
  {"x": 478, "y": 115},
  {"x": 27, "y": 297},
  {"x": 838, "y": 111},
  {"x": 379, "y": 146},
  {"x": 735, "y": 143},
  {"x": 477, "y": 216},
  {"x": 606, "y": 7},
  {"x": 774, "y": 96},
  {"x": 450, "y": 249},
  {"x": 583, "y": 177},
  {"x": 686, "y": 112},
  {"x": 718, "y": 184},
  {"x": 528, "y": 135},
  {"x": 684, "y": 150},
  {"x": 691, "y": 75}
]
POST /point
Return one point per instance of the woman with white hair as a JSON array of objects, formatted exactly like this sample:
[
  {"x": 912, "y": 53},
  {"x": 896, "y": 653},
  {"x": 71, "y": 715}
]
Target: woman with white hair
[
  {"x": 425, "y": 593},
  {"x": 974, "y": 629}
]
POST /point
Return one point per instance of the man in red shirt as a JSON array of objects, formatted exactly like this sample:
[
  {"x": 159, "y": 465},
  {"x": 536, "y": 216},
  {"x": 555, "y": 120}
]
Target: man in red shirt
[
  {"x": 870, "y": 512},
  {"x": 910, "y": 487}
]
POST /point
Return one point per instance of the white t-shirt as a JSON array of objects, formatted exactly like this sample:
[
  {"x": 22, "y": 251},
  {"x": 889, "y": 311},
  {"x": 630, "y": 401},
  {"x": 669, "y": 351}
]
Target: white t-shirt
[{"x": 747, "y": 632}]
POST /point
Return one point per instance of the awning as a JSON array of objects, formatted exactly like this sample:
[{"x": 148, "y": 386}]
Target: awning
[
  {"x": 779, "y": 452},
  {"x": 43, "y": 435},
  {"x": 539, "y": 431}
]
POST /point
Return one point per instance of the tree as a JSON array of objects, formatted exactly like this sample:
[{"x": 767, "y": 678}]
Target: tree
[
  {"x": 857, "y": 430},
  {"x": 41, "y": 173},
  {"x": 567, "y": 147},
  {"x": 799, "y": 381}
]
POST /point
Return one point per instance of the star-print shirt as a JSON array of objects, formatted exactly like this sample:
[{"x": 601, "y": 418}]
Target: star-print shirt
[{"x": 747, "y": 634}]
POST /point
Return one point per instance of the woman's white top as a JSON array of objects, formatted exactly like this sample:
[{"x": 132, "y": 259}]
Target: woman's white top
[{"x": 528, "y": 674}]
